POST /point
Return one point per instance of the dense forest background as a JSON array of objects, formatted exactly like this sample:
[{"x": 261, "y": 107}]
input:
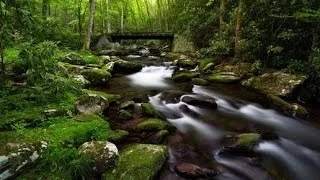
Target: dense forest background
[
  {"x": 48, "y": 60},
  {"x": 274, "y": 33},
  {"x": 268, "y": 33}
]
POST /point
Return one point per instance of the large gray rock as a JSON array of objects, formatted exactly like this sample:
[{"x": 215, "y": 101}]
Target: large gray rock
[
  {"x": 202, "y": 103},
  {"x": 91, "y": 103},
  {"x": 19, "y": 158},
  {"x": 104, "y": 155},
  {"x": 103, "y": 42},
  {"x": 277, "y": 83},
  {"x": 126, "y": 67}
]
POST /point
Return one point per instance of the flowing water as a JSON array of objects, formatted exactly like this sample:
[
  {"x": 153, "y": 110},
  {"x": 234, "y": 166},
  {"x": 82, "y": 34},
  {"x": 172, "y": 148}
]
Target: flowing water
[{"x": 199, "y": 131}]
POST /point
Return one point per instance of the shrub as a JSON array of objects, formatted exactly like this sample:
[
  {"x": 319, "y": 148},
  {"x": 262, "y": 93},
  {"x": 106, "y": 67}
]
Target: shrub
[{"x": 43, "y": 71}]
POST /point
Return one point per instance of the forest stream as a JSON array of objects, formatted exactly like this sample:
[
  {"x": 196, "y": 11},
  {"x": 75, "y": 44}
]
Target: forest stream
[{"x": 289, "y": 143}]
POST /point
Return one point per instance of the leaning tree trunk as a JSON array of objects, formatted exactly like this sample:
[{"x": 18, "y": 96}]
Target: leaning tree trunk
[
  {"x": 90, "y": 24},
  {"x": 222, "y": 12},
  {"x": 238, "y": 33}
]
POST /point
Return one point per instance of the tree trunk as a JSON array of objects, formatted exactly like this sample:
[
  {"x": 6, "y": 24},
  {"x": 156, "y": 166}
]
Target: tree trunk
[
  {"x": 122, "y": 16},
  {"x": 148, "y": 12},
  {"x": 222, "y": 13},
  {"x": 108, "y": 18},
  {"x": 238, "y": 33},
  {"x": 160, "y": 13},
  {"x": 141, "y": 15},
  {"x": 79, "y": 20},
  {"x": 90, "y": 24},
  {"x": 315, "y": 42}
]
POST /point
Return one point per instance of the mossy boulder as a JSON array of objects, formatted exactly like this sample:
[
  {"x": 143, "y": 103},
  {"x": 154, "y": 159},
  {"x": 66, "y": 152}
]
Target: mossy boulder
[
  {"x": 96, "y": 77},
  {"x": 20, "y": 157},
  {"x": 81, "y": 80},
  {"x": 239, "y": 69},
  {"x": 90, "y": 104},
  {"x": 184, "y": 76},
  {"x": 108, "y": 67},
  {"x": 107, "y": 96},
  {"x": 125, "y": 115},
  {"x": 154, "y": 124},
  {"x": 126, "y": 67},
  {"x": 139, "y": 161},
  {"x": 287, "y": 108},
  {"x": 208, "y": 68},
  {"x": 71, "y": 68},
  {"x": 149, "y": 110},
  {"x": 242, "y": 144},
  {"x": 103, "y": 155},
  {"x": 118, "y": 135},
  {"x": 73, "y": 58},
  {"x": 172, "y": 56},
  {"x": 224, "y": 77},
  {"x": 278, "y": 83},
  {"x": 204, "y": 62},
  {"x": 127, "y": 105},
  {"x": 199, "y": 82},
  {"x": 187, "y": 63},
  {"x": 158, "y": 137}
]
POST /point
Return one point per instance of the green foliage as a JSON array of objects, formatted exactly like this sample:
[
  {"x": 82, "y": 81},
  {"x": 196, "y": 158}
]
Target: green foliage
[
  {"x": 256, "y": 66},
  {"x": 64, "y": 135},
  {"x": 39, "y": 61},
  {"x": 43, "y": 70}
]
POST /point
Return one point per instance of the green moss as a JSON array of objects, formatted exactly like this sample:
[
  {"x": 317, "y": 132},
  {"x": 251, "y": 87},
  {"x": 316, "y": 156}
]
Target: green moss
[
  {"x": 149, "y": 110},
  {"x": 284, "y": 106},
  {"x": 90, "y": 58},
  {"x": 184, "y": 76},
  {"x": 87, "y": 117},
  {"x": 187, "y": 63},
  {"x": 60, "y": 163},
  {"x": 200, "y": 82},
  {"x": 172, "y": 56},
  {"x": 109, "y": 97},
  {"x": 223, "y": 78},
  {"x": 73, "y": 58},
  {"x": 138, "y": 161},
  {"x": 159, "y": 137},
  {"x": 204, "y": 62},
  {"x": 21, "y": 119},
  {"x": 247, "y": 140},
  {"x": 25, "y": 109},
  {"x": 126, "y": 67},
  {"x": 64, "y": 136},
  {"x": 118, "y": 135},
  {"x": 153, "y": 124},
  {"x": 125, "y": 115},
  {"x": 96, "y": 77},
  {"x": 87, "y": 56}
]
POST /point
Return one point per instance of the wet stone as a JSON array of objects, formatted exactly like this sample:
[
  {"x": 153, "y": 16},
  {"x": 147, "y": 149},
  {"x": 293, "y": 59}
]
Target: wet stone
[
  {"x": 189, "y": 170},
  {"x": 208, "y": 103}
]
